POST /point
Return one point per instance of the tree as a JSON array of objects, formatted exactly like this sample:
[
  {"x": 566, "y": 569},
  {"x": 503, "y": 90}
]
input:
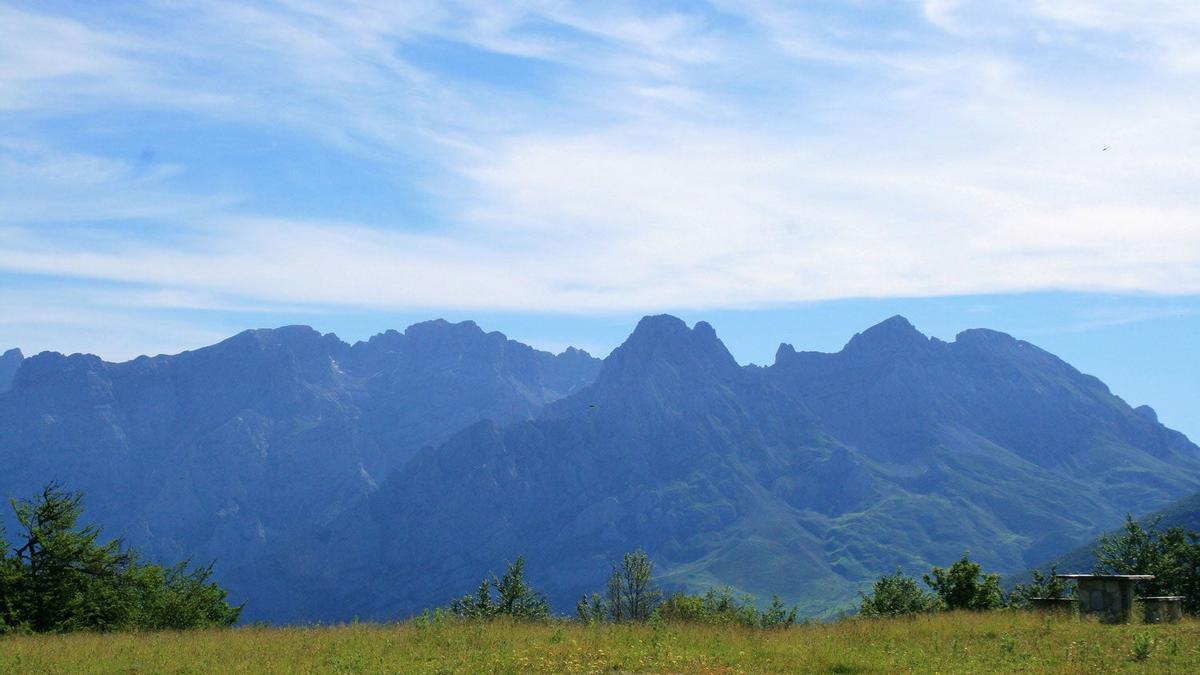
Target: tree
[
  {"x": 67, "y": 579},
  {"x": 632, "y": 593},
  {"x": 10, "y": 589},
  {"x": 62, "y": 578},
  {"x": 965, "y": 586},
  {"x": 516, "y": 598},
  {"x": 1171, "y": 555},
  {"x": 777, "y": 615},
  {"x": 1044, "y": 585},
  {"x": 591, "y": 610},
  {"x": 896, "y": 595}
]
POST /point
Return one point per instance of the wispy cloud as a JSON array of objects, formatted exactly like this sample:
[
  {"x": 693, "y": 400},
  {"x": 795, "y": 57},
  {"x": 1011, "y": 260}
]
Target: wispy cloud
[{"x": 593, "y": 157}]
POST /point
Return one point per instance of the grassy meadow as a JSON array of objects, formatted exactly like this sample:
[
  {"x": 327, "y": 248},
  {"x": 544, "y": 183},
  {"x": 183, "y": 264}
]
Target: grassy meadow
[{"x": 948, "y": 642}]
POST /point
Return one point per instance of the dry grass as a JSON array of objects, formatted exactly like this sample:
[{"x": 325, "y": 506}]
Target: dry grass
[{"x": 1004, "y": 642}]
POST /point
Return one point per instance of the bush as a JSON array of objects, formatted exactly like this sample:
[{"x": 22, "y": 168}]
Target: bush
[
  {"x": 633, "y": 596},
  {"x": 965, "y": 586},
  {"x": 896, "y": 595},
  {"x": 718, "y": 606},
  {"x": 1044, "y": 585}
]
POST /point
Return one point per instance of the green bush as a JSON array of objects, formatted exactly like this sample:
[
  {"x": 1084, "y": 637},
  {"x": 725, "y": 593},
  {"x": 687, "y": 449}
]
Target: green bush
[
  {"x": 896, "y": 595},
  {"x": 719, "y": 606},
  {"x": 633, "y": 596},
  {"x": 1044, "y": 585},
  {"x": 965, "y": 586},
  {"x": 716, "y": 606}
]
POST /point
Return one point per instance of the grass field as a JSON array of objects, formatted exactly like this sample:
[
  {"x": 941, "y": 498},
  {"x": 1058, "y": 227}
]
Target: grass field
[{"x": 953, "y": 642}]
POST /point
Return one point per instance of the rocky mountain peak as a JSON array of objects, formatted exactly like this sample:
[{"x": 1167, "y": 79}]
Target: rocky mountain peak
[
  {"x": 892, "y": 335},
  {"x": 985, "y": 338},
  {"x": 667, "y": 339},
  {"x": 440, "y": 329}
]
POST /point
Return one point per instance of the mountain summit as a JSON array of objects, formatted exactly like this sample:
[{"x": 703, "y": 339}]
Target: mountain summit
[
  {"x": 332, "y": 480},
  {"x": 806, "y": 479},
  {"x": 892, "y": 335}
]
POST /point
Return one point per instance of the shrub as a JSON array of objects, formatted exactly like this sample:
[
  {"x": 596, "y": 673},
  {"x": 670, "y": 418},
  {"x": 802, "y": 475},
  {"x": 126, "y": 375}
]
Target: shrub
[
  {"x": 718, "y": 606},
  {"x": 1044, "y": 585},
  {"x": 896, "y": 595},
  {"x": 965, "y": 586}
]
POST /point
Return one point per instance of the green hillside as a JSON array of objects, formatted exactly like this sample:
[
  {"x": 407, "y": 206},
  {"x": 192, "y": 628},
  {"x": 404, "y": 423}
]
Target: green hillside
[{"x": 1183, "y": 513}]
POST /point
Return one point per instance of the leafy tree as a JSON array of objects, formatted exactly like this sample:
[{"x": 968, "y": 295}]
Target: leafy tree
[
  {"x": 1171, "y": 555},
  {"x": 632, "y": 593},
  {"x": 62, "y": 578},
  {"x": 515, "y": 598},
  {"x": 896, "y": 595},
  {"x": 1044, "y": 585},
  {"x": 965, "y": 586}
]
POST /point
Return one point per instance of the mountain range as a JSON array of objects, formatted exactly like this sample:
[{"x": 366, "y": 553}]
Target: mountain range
[
  {"x": 231, "y": 451},
  {"x": 332, "y": 480}
]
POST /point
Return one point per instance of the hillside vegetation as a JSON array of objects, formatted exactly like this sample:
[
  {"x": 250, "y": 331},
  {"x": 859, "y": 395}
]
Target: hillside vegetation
[{"x": 947, "y": 642}]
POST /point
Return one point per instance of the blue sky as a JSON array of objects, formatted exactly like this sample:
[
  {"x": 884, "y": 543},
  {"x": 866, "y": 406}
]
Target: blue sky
[{"x": 172, "y": 172}]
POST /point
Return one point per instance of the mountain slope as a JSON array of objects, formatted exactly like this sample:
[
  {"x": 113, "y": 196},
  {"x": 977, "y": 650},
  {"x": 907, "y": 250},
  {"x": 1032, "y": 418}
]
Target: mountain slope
[
  {"x": 807, "y": 478},
  {"x": 1184, "y": 513},
  {"x": 229, "y": 451}
]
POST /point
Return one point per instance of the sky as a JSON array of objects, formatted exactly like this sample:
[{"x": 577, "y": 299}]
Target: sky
[{"x": 172, "y": 172}]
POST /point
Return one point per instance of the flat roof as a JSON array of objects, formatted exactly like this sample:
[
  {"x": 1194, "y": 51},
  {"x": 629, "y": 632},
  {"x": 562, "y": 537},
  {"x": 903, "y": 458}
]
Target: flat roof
[{"x": 1133, "y": 577}]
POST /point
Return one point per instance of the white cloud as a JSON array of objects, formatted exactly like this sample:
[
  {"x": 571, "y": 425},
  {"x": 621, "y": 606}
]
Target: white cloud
[{"x": 680, "y": 162}]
